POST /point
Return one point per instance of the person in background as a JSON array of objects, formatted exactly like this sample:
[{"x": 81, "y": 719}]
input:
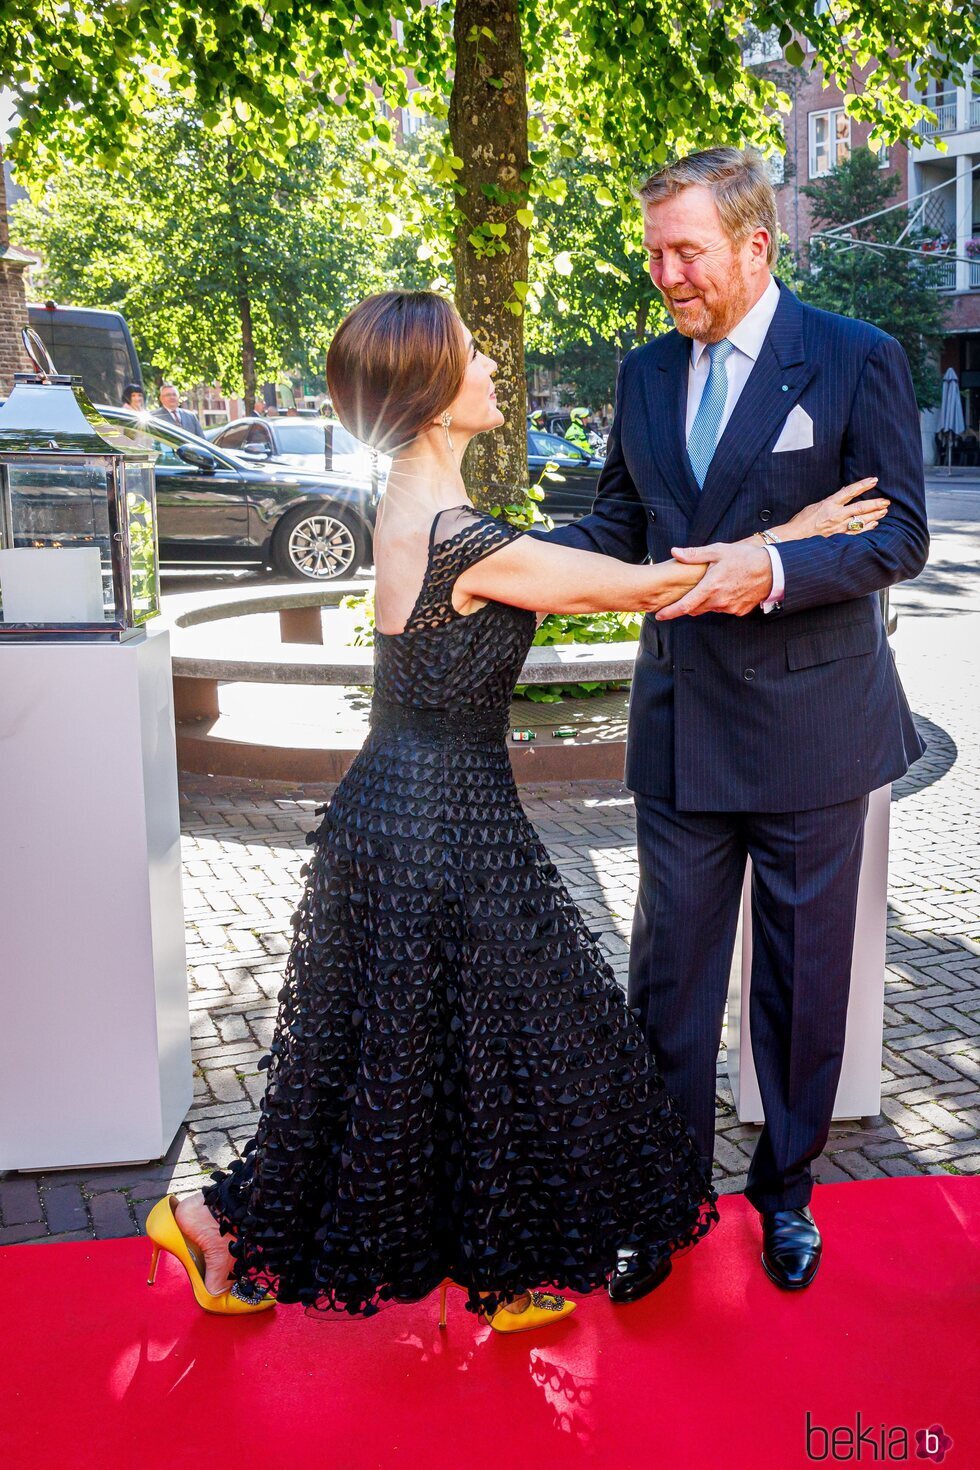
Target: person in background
[
  {"x": 171, "y": 412},
  {"x": 577, "y": 431},
  {"x": 132, "y": 397}
]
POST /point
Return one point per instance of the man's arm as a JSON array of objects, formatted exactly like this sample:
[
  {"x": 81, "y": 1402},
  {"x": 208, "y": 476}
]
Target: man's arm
[
  {"x": 617, "y": 525},
  {"x": 882, "y": 439}
]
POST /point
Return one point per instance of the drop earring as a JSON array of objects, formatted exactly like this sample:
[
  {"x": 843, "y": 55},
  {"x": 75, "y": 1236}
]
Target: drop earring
[{"x": 446, "y": 420}]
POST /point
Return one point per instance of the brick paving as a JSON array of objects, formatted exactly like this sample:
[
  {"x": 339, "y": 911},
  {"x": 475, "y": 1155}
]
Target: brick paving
[{"x": 243, "y": 845}]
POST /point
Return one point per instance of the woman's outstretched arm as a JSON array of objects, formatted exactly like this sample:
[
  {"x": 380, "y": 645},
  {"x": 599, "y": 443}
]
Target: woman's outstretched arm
[
  {"x": 561, "y": 579},
  {"x": 545, "y": 577}
]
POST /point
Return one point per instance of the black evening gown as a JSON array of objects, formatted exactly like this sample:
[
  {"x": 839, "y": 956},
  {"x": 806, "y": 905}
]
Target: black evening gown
[{"x": 456, "y": 1085}]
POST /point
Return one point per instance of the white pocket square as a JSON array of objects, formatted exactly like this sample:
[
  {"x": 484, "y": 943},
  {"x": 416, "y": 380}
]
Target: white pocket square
[{"x": 797, "y": 432}]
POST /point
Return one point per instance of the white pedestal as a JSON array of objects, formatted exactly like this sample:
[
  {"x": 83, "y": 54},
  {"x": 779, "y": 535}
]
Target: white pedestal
[
  {"x": 95, "y": 1054},
  {"x": 859, "y": 1089}
]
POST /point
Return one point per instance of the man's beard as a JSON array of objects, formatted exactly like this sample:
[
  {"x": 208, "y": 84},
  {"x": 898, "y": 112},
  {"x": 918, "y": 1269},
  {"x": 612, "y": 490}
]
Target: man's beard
[{"x": 709, "y": 325}]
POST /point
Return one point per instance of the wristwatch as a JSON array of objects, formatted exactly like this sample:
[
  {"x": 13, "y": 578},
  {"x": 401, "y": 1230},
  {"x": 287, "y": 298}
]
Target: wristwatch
[{"x": 770, "y": 538}]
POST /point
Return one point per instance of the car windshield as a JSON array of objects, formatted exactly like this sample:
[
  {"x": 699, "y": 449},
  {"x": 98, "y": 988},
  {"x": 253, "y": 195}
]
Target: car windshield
[
  {"x": 555, "y": 448},
  {"x": 304, "y": 437}
]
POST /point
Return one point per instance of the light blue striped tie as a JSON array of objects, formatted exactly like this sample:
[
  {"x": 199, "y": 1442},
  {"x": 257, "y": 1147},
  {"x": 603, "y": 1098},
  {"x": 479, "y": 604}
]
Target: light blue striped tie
[{"x": 707, "y": 420}]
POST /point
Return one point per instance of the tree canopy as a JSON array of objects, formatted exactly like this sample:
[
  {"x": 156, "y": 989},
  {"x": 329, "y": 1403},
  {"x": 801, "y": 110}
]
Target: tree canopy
[
  {"x": 637, "y": 83},
  {"x": 222, "y": 277}
]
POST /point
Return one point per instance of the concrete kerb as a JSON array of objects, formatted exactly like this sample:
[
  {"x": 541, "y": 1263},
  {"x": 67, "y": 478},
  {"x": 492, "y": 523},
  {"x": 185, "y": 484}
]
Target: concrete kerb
[{"x": 201, "y": 661}]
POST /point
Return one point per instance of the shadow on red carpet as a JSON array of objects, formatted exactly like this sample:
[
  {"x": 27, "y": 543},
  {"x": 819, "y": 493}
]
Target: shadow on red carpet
[{"x": 717, "y": 1370}]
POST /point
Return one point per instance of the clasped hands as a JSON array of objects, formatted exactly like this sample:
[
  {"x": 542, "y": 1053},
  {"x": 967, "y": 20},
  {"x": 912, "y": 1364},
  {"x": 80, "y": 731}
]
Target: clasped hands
[
  {"x": 738, "y": 578},
  {"x": 739, "y": 573}
]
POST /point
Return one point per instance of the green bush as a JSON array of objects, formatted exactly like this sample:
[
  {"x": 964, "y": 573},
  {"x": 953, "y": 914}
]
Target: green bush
[{"x": 557, "y": 628}]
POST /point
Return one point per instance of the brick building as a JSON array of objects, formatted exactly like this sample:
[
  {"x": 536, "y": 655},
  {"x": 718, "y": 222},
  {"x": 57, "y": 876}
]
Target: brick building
[
  {"x": 947, "y": 184},
  {"x": 940, "y": 184},
  {"x": 14, "y": 264}
]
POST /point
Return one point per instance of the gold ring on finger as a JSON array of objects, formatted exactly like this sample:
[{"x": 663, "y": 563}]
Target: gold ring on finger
[{"x": 855, "y": 524}]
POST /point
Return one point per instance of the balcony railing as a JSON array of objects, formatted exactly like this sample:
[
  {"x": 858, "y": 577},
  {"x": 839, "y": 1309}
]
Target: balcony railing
[
  {"x": 945, "y": 120},
  {"x": 975, "y": 112},
  {"x": 942, "y": 275}
]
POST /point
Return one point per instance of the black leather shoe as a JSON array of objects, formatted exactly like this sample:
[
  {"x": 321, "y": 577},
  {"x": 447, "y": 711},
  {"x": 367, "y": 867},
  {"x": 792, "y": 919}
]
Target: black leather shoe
[
  {"x": 634, "y": 1277},
  {"x": 791, "y": 1247}
]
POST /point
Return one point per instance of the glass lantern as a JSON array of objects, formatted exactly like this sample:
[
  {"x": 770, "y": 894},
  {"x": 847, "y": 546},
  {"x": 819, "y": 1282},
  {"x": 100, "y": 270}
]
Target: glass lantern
[{"x": 79, "y": 555}]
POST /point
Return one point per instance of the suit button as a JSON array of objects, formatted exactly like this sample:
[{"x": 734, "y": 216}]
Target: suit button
[
  {"x": 653, "y": 515},
  {"x": 749, "y": 674},
  {"x": 765, "y": 515}
]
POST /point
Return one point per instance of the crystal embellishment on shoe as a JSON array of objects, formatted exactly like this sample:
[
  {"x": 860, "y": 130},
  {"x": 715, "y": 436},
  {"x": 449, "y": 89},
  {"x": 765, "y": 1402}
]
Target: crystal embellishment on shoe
[
  {"x": 243, "y": 1292},
  {"x": 547, "y": 1301}
]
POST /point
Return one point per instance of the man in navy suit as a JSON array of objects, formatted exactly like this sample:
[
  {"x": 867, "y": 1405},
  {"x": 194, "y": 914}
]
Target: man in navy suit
[{"x": 765, "y": 704}]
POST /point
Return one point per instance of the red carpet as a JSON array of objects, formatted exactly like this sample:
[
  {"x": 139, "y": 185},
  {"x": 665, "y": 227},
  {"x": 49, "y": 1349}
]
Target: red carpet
[{"x": 714, "y": 1371}]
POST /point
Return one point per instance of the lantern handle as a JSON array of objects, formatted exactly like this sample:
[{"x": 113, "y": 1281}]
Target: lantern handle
[{"x": 37, "y": 352}]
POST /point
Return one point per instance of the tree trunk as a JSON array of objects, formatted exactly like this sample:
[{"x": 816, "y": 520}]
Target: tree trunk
[
  {"x": 488, "y": 131},
  {"x": 248, "y": 342},
  {"x": 243, "y": 299}
]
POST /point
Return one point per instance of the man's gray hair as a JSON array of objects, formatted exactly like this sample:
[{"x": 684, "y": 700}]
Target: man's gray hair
[{"x": 738, "y": 179}]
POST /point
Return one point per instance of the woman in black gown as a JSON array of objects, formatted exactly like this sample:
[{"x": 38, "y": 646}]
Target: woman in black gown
[{"x": 456, "y": 1087}]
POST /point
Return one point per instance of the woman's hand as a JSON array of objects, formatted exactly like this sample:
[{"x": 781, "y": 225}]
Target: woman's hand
[{"x": 840, "y": 513}]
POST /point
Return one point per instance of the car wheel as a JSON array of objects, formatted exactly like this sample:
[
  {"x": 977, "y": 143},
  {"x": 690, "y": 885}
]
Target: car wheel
[{"x": 318, "y": 545}]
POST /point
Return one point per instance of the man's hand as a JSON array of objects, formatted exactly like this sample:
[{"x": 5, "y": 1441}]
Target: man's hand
[{"x": 738, "y": 578}]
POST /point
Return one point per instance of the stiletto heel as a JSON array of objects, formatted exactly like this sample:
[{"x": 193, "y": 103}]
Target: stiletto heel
[
  {"x": 543, "y": 1309},
  {"x": 162, "y": 1229}
]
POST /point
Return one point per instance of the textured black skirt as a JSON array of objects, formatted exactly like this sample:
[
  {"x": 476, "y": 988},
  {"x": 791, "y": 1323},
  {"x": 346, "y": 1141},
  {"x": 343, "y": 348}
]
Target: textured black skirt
[{"x": 456, "y": 1086}]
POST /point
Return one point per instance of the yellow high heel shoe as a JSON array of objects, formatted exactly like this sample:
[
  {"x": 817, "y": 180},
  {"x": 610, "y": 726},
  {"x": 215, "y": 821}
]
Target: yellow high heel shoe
[
  {"x": 166, "y": 1235},
  {"x": 543, "y": 1310}
]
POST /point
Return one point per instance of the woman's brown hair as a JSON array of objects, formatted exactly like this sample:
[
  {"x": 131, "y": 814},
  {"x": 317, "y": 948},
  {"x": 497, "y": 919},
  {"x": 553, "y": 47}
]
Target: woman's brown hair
[{"x": 396, "y": 362}]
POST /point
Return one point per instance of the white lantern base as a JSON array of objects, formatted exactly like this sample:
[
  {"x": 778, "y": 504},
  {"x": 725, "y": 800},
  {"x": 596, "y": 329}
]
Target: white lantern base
[
  {"x": 859, "y": 1089},
  {"x": 95, "y": 1054}
]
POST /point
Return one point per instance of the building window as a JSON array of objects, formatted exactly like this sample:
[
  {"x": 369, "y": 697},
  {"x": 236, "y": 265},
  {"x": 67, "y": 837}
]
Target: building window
[
  {"x": 760, "y": 47},
  {"x": 411, "y": 120},
  {"x": 830, "y": 140},
  {"x": 776, "y": 165}
]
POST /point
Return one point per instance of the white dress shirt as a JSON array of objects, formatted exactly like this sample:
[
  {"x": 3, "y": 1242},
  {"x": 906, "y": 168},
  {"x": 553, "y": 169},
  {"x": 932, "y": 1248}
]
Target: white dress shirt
[{"x": 747, "y": 337}]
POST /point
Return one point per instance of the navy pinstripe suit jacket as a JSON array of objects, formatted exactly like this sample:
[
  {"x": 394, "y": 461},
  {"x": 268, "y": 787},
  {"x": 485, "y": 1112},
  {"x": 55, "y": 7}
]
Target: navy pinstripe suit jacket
[{"x": 800, "y": 708}]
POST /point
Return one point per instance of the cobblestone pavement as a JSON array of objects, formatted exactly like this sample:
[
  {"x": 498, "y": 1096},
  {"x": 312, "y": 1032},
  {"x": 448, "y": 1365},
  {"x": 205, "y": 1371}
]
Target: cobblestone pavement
[{"x": 243, "y": 845}]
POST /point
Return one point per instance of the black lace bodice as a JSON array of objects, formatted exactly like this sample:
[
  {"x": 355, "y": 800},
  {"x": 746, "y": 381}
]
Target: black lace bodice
[{"x": 444, "y": 659}]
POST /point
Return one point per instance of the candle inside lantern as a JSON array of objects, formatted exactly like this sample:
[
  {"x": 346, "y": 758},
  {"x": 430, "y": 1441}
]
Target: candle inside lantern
[{"x": 52, "y": 586}]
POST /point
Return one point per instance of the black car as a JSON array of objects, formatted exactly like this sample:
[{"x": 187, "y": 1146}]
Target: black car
[
  {"x": 216, "y": 506},
  {"x": 572, "y": 496},
  {"x": 321, "y": 445}
]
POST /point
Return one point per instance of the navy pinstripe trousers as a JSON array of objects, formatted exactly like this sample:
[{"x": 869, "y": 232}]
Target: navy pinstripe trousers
[{"x": 806, "y": 867}]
